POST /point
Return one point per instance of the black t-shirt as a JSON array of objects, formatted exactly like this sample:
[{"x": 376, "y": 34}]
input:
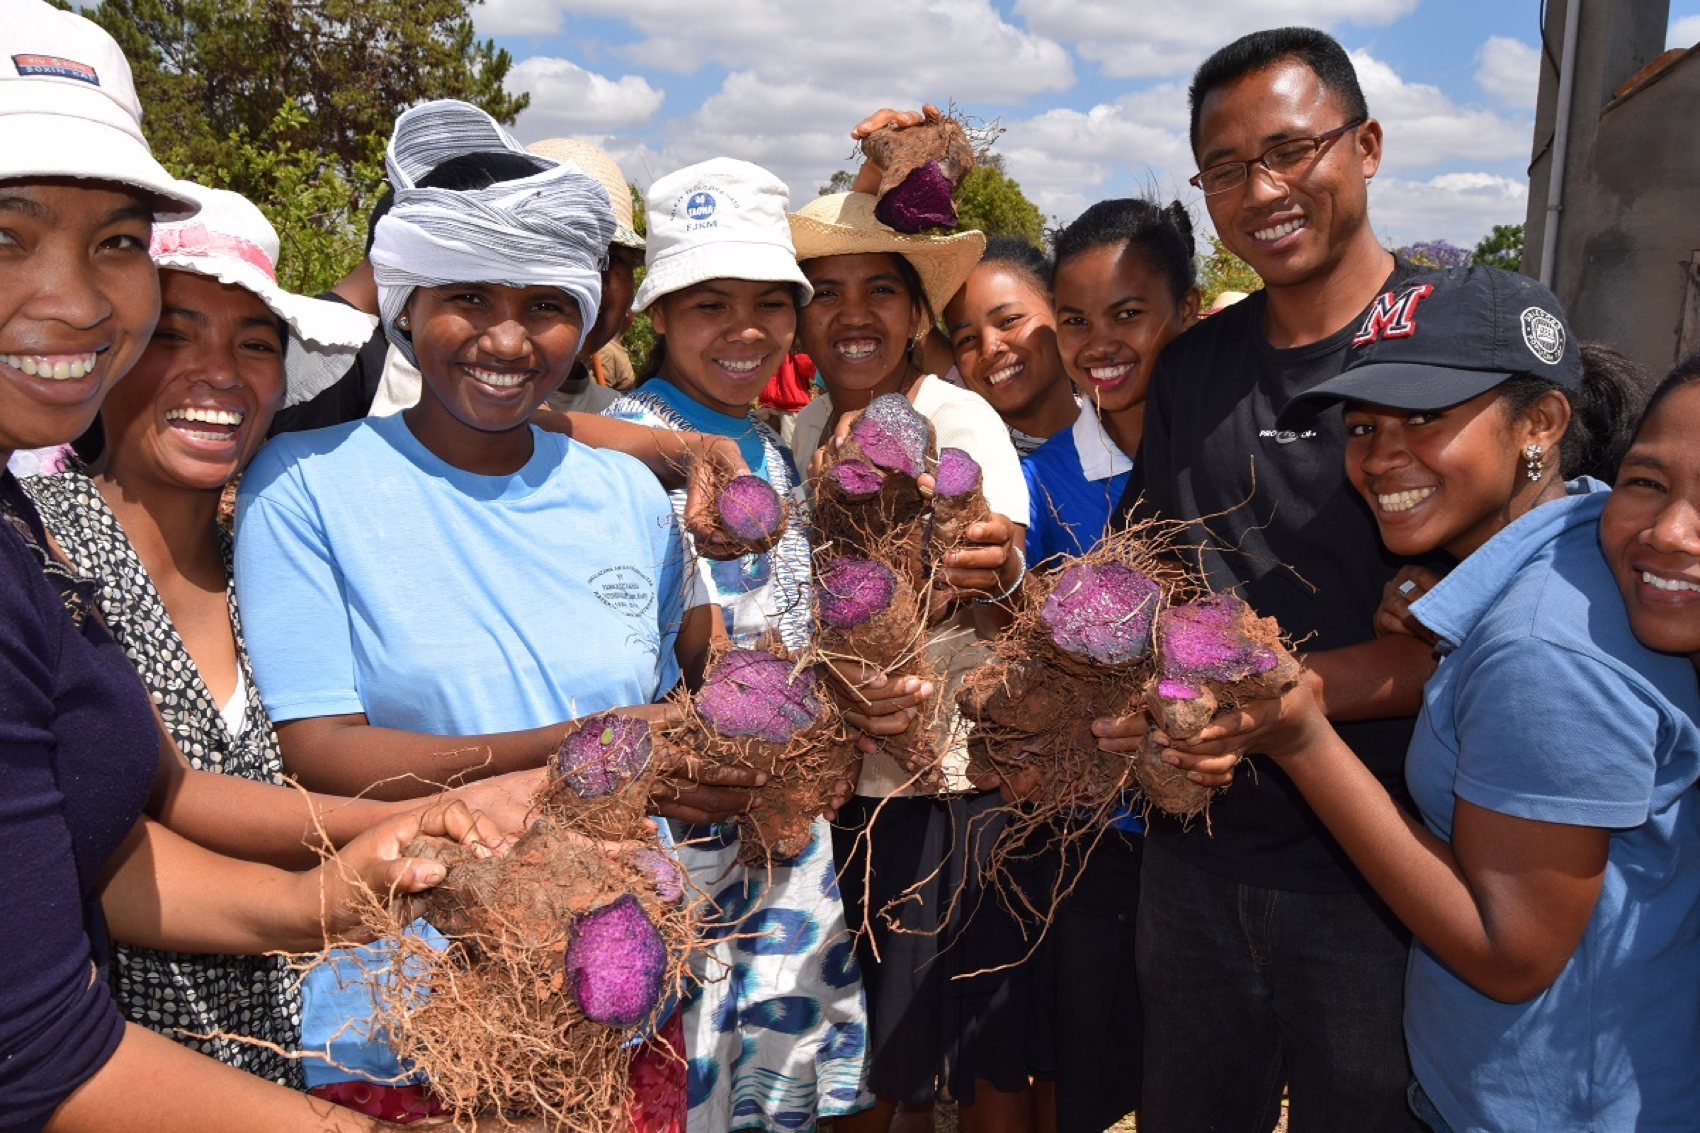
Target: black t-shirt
[
  {"x": 349, "y": 398},
  {"x": 1287, "y": 532}
]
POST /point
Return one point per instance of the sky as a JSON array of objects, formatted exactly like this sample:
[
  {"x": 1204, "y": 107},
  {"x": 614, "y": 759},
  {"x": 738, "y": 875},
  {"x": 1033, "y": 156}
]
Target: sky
[{"x": 1090, "y": 94}]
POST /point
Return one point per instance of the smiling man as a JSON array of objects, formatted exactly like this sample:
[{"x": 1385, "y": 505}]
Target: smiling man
[{"x": 1263, "y": 959}]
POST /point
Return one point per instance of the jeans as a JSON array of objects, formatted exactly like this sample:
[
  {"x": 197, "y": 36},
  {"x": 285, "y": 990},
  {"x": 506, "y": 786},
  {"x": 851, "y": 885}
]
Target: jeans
[{"x": 1248, "y": 989}]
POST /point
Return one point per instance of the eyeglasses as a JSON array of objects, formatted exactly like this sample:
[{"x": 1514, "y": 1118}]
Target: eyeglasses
[{"x": 1281, "y": 159}]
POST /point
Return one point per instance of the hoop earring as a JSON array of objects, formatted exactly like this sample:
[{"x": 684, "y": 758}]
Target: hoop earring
[{"x": 1534, "y": 461}]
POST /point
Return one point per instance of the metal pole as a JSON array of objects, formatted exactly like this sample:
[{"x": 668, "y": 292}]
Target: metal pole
[{"x": 1561, "y": 141}]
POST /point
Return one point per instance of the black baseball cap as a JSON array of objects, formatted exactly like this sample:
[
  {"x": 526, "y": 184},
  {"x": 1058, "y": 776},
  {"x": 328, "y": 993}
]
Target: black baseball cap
[{"x": 1443, "y": 337}]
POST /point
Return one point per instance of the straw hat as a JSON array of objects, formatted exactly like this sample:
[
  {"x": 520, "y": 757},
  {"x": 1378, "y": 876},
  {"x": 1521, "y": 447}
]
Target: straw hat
[
  {"x": 718, "y": 219},
  {"x": 231, "y": 241},
  {"x": 603, "y": 168},
  {"x": 843, "y": 224},
  {"x": 68, "y": 107}
]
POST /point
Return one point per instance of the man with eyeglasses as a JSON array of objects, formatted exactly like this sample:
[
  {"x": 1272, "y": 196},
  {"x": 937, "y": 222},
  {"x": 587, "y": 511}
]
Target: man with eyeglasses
[{"x": 1264, "y": 960}]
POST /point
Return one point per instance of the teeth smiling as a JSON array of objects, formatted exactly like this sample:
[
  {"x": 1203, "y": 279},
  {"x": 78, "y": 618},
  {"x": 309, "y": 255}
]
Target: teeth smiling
[
  {"x": 1403, "y": 501},
  {"x": 1658, "y": 583},
  {"x": 1279, "y": 230},
  {"x": 1108, "y": 373},
  {"x": 999, "y": 377},
  {"x": 738, "y": 367},
  {"x": 206, "y": 416},
  {"x": 54, "y": 367},
  {"x": 860, "y": 348},
  {"x": 497, "y": 378}
]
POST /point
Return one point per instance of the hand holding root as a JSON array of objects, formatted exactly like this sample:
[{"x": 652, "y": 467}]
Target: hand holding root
[
  {"x": 505, "y": 802},
  {"x": 376, "y": 862},
  {"x": 987, "y": 565},
  {"x": 1393, "y": 616},
  {"x": 699, "y": 792},
  {"x": 715, "y": 461},
  {"x": 878, "y": 705},
  {"x": 868, "y": 176}
]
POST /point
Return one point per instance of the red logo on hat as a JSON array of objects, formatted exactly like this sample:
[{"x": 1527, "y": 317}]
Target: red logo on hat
[
  {"x": 54, "y": 67},
  {"x": 1392, "y": 315}
]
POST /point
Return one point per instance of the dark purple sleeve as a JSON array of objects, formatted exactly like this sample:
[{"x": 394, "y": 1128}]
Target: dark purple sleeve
[{"x": 58, "y": 1021}]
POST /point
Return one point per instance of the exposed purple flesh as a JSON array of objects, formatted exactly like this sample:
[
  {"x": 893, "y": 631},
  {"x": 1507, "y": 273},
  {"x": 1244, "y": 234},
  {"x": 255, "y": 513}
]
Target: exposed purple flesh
[
  {"x": 605, "y": 753},
  {"x": 1203, "y": 640},
  {"x": 852, "y": 592},
  {"x": 892, "y": 435},
  {"x": 750, "y": 509},
  {"x": 957, "y": 475},
  {"x": 753, "y": 693},
  {"x": 615, "y": 962},
  {"x": 1102, "y": 612},
  {"x": 921, "y": 202},
  {"x": 856, "y": 478}
]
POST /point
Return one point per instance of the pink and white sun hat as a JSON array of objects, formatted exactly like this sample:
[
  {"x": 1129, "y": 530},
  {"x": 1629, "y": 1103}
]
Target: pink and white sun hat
[
  {"x": 68, "y": 106},
  {"x": 231, "y": 241}
]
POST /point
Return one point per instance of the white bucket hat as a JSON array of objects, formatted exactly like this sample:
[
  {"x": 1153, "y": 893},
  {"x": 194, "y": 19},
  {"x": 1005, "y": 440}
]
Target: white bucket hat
[
  {"x": 231, "y": 241},
  {"x": 68, "y": 107},
  {"x": 720, "y": 219},
  {"x": 596, "y": 162}
]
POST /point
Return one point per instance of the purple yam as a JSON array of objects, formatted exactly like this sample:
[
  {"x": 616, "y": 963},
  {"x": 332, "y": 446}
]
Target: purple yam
[
  {"x": 606, "y": 752},
  {"x": 857, "y": 479},
  {"x": 921, "y": 202},
  {"x": 852, "y": 592},
  {"x": 1205, "y": 640},
  {"x": 615, "y": 962},
  {"x": 892, "y": 435},
  {"x": 749, "y": 509},
  {"x": 1170, "y": 689},
  {"x": 1102, "y": 612},
  {"x": 752, "y": 693},
  {"x": 662, "y": 870},
  {"x": 957, "y": 475}
]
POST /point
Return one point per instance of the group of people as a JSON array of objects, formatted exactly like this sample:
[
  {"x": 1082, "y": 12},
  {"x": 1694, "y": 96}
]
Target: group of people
[{"x": 1447, "y": 892}]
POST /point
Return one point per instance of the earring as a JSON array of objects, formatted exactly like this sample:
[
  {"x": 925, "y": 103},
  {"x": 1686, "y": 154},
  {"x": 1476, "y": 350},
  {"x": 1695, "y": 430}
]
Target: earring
[
  {"x": 401, "y": 322},
  {"x": 1534, "y": 463}
]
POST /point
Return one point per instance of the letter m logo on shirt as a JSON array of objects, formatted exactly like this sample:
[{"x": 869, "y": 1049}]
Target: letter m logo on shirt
[{"x": 1392, "y": 315}]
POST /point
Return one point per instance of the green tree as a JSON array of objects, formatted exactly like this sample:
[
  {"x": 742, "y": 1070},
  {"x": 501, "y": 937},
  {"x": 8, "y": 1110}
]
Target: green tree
[
  {"x": 1223, "y": 271},
  {"x": 839, "y": 182},
  {"x": 1501, "y": 248},
  {"x": 290, "y": 102},
  {"x": 990, "y": 202}
]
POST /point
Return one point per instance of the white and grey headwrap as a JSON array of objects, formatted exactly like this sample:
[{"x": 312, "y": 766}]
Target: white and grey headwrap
[{"x": 551, "y": 228}]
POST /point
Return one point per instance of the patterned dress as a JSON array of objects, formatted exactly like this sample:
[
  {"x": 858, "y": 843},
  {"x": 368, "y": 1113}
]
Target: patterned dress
[
  {"x": 776, "y": 1028},
  {"x": 179, "y": 994}
]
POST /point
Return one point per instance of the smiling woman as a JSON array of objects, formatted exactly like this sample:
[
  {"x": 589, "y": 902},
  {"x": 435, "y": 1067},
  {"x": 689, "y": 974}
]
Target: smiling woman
[{"x": 142, "y": 521}]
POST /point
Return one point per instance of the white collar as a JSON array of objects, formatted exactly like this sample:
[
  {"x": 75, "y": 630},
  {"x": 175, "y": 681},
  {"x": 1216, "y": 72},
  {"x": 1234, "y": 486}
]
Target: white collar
[{"x": 1100, "y": 459}]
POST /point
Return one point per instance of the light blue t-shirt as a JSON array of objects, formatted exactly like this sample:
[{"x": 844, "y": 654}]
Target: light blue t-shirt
[
  {"x": 1545, "y": 707},
  {"x": 374, "y": 577}
]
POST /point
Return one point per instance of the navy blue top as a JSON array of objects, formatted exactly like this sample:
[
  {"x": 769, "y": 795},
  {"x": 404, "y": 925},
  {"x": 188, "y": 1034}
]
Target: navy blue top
[{"x": 78, "y": 751}]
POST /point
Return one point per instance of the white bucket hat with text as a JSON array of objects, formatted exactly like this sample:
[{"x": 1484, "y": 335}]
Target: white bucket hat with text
[{"x": 68, "y": 107}]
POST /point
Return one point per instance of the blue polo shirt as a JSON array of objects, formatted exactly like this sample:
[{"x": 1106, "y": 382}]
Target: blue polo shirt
[
  {"x": 1546, "y": 708},
  {"x": 1073, "y": 482}
]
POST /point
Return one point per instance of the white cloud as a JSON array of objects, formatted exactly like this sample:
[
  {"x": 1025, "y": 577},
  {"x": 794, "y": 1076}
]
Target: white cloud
[
  {"x": 1171, "y": 37},
  {"x": 1510, "y": 71},
  {"x": 961, "y": 49},
  {"x": 1460, "y": 208},
  {"x": 1424, "y": 128},
  {"x": 567, "y": 99},
  {"x": 1684, "y": 32},
  {"x": 517, "y": 17}
]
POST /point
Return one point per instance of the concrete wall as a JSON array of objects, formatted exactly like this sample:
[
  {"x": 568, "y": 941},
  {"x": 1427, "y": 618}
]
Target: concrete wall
[{"x": 1627, "y": 262}]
